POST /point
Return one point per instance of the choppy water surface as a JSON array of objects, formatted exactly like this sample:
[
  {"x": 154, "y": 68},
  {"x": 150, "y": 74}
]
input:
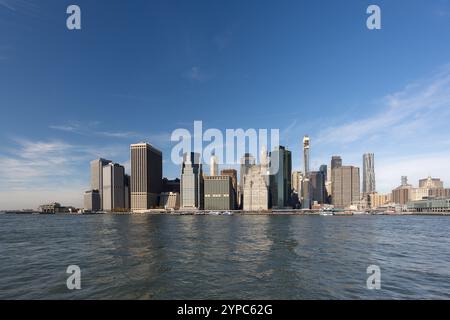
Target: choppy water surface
[{"x": 216, "y": 257}]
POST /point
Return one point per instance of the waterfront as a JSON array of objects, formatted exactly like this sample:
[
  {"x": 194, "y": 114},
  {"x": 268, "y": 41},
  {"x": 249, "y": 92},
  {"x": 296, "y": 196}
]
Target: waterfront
[{"x": 224, "y": 257}]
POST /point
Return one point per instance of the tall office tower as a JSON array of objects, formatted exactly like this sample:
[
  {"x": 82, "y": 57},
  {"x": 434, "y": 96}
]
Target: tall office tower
[
  {"x": 317, "y": 182},
  {"x": 297, "y": 176},
  {"x": 218, "y": 193},
  {"x": 280, "y": 177},
  {"x": 97, "y": 177},
  {"x": 306, "y": 198},
  {"x": 92, "y": 200},
  {"x": 233, "y": 174},
  {"x": 191, "y": 182},
  {"x": 346, "y": 186},
  {"x": 336, "y": 162},
  {"x": 324, "y": 169},
  {"x": 256, "y": 189},
  {"x": 247, "y": 161},
  {"x": 368, "y": 173},
  {"x": 113, "y": 187},
  {"x": 127, "y": 191},
  {"x": 214, "y": 166},
  {"x": 306, "y": 146},
  {"x": 146, "y": 176}
]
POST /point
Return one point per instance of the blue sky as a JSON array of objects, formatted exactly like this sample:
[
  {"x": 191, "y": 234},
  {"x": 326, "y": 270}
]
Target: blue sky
[{"x": 140, "y": 69}]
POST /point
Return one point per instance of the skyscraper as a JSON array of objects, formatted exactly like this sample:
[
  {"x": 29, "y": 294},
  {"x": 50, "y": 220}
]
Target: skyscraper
[
  {"x": 113, "y": 187},
  {"x": 368, "y": 173},
  {"x": 317, "y": 182},
  {"x": 191, "y": 186},
  {"x": 247, "y": 161},
  {"x": 345, "y": 186},
  {"x": 97, "y": 177},
  {"x": 214, "y": 166},
  {"x": 324, "y": 169},
  {"x": 280, "y": 177},
  {"x": 233, "y": 174},
  {"x": 146, "y": 176},
  {"x": 336, "y": 162},
  {"x": 306, "y": 146},
  {"x": 256, "y": 188}
]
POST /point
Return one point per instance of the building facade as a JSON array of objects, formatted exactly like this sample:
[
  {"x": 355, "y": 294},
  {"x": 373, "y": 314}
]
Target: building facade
[
  {"x": 113, "y": 187},
  {"x": 218, "y": 193},
  {"x": 345, "y": 186},
  {"x": 146, "y": 176},
  {"x": 97, "y": 176},
  {"x": 280, "y": 177},
  {"x": 368, "y": 173},
  {"x": 169, "y": 200},
  {"x": 431, "y": 183},
  {"x": 92, "y": 201},
  {"x": 233, "y": 174},
  {"x": 318, "y": 191},
  {"x": 256, "y": 189},
  {"x": 191, "y": 182},
  {"x": 430, "y": 205},
  {"x": 306, "y": 155}
]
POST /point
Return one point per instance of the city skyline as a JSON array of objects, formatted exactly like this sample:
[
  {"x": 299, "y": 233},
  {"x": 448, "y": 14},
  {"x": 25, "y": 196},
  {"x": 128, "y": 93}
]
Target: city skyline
[{"x": 317, "y": 71}]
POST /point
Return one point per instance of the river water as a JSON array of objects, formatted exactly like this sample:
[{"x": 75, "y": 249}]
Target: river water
[{"x": 217, "y": 257}]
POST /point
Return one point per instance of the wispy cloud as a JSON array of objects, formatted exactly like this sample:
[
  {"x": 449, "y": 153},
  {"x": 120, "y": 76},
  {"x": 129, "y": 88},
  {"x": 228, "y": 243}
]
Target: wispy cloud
[
  {"x": 92, "y": 128},
  {"x": 28, "y": 7},
  {"x": 421, "y": 103},
  {"x": 195, "y": 73},
  {"x": 158, "y": 139},
  {"x": 408, "y": 131}
]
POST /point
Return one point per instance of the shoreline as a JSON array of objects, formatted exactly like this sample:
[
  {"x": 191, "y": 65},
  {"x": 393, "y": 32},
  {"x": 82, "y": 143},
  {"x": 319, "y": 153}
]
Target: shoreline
[{"x": 230, "y": 213}]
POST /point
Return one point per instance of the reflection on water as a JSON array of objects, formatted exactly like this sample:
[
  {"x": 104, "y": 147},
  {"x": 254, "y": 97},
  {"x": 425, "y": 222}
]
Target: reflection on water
[{"x": 216, "y": 257}]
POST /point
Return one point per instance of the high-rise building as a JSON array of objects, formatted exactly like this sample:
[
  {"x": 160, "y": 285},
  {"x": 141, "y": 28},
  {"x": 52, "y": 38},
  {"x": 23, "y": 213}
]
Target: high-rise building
[
  {"x": 256, "y": 189},
  {"x": 218, "y": 193},
  {"x": 345, "y": 186},
  {"x": 368, "y": 174},
  {"x": 280, "y": 177},
  {"x": 297, "y": 176},
  {"x": 247, "y": 161},
  {"x": 306, "y": 147},
  {"x": 127, "y": 191},
  {"x": 146, "y": 176},
  {"x": 214, "y": 166},
  {"x": 191, "y": 182},
  {"x": 324, "y": 169},
  {"x": 318, "y": 191},
  {"x": 233, "y": 174},
  {"x": 97, "y": 176},
  {"x": 306, "y": 199},
  {"x": 336, "y": 162},
  {"x": 92, "y": 200},
  {"x": 113, "y": 187}
]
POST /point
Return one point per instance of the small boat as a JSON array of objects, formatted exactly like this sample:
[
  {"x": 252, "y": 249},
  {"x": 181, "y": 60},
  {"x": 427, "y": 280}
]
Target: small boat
[
  {"x": 227, "y": 213},
  {"x": 326, "y": 214}
]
